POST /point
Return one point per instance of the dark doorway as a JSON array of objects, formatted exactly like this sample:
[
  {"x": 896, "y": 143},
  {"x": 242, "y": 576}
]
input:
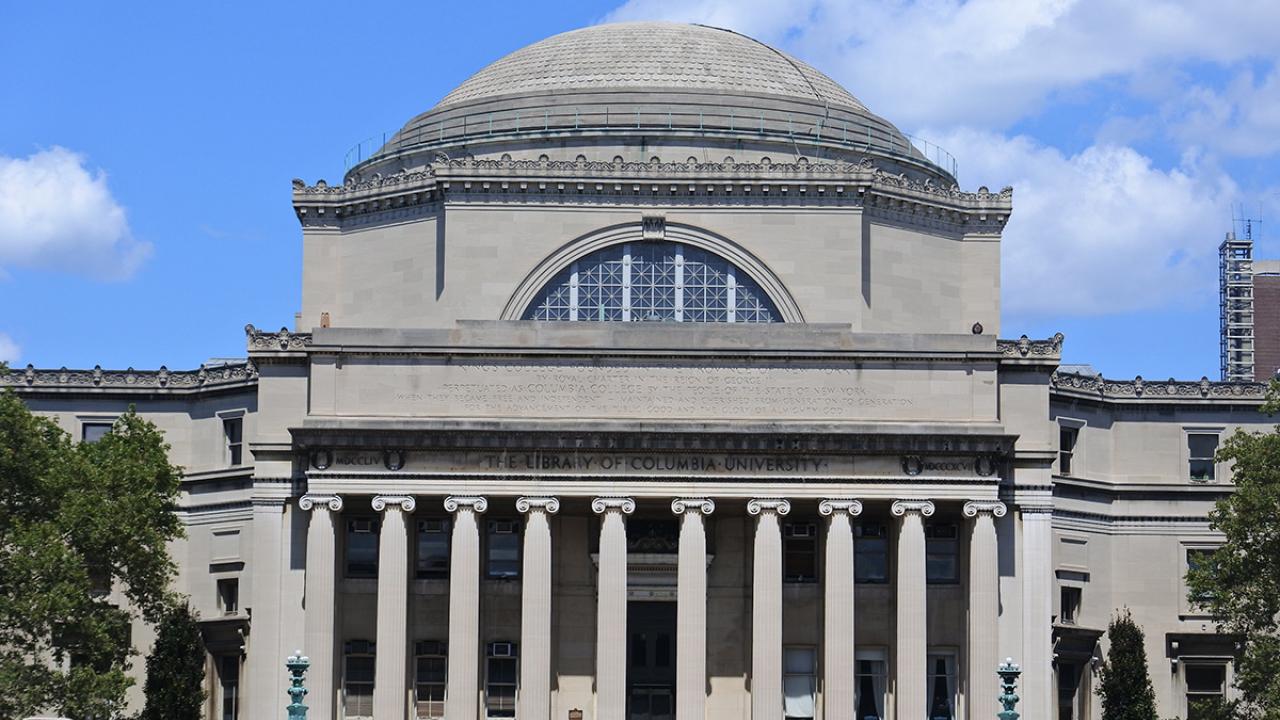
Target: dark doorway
[{"x": 651, "y": 665}]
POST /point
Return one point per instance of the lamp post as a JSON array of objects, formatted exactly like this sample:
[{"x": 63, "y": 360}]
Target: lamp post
[
  {"x": 297, "y": 663},
  {"x": 1008, "y": 672}
]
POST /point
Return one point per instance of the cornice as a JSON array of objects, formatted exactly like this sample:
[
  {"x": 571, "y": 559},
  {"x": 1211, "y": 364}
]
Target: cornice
[
  {"x": 275, "y": 343},
  {"x": 1027, "y": 351},
  {"x": 164, "y": 380},
  {"x": 1096, "y": 387}
]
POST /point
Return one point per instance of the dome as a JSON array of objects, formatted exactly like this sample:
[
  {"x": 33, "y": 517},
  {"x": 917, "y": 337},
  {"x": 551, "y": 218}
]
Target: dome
[{"x": 649, "y": 56}]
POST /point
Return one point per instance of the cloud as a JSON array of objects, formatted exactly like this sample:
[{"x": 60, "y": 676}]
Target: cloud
[
  {"x": 9, "y": 350},
  {"x": 56, "y": 214},
  {"x": 1102, "y": 231}
]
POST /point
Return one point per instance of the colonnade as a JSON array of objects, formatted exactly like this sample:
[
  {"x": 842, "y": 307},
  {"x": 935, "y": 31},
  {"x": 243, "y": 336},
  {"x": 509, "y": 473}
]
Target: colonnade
[{"x": 839, "y": 627}]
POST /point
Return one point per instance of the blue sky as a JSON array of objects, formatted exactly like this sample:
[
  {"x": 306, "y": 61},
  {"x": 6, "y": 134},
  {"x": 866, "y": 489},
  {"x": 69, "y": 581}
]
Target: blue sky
[{"x": 146, "y": 153}]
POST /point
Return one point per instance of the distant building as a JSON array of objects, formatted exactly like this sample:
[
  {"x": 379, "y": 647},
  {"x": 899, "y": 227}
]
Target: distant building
[
  {"x": 1249, "y": 307},
  {"x": 1266, "y": 319}
]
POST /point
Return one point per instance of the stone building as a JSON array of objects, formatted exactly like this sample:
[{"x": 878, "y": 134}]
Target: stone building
[{"x": 649, "y": 374}]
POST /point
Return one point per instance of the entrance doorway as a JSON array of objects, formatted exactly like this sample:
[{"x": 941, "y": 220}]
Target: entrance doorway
[{"x": 651, "y": 664}]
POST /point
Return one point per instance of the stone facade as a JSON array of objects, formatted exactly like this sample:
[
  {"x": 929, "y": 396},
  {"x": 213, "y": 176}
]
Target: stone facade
[{"x": 851, "y": 511}]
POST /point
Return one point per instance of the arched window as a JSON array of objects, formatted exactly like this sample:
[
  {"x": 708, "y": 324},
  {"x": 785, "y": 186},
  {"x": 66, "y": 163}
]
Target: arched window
[{"x": 653, "y": 281}]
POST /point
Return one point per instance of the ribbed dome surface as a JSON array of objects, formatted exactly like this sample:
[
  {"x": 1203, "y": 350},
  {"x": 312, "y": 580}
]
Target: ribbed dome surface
[{"x": 647, "y": 56}]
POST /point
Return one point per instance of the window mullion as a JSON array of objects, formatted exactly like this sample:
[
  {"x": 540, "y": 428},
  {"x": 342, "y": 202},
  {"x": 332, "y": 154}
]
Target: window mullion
[
  {"x": 679, "y": 283},
  {"x": 731, "y": 295},
  {"x": 573, "y": 292},
  {"x": 626, "y": 282}
]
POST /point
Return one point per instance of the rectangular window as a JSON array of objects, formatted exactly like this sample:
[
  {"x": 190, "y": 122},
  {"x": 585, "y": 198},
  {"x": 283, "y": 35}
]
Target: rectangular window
[
  {"x": 504, "y": 549},
  {"x": 229, "y": 595},
  {"x": 357, "y": 680},
  {"x": 94, "y": 431},
  {"x": 1206, "y": 689},
  {"x": 799, "y": 682},
  {"x": 229, "y": 687},
  {"x": 942, "y": 686},
  {"x": 1201, "y": 448},
  {"x": 233, "y": 431},
  {"x": 1067, "y": 437},
  {"x": 869, "y": 695},
  {"x": 941, "y": 553},
  {"x": 430, "y": 671},
  {"x": 871, "y": 553},
  {"x": 1068, "y": 690},
  {"x": 1070, "y": 598},
  {"x": 433, "y": 549},
  {"x": 1198, "y": 558},
  {"x": 500, "y": 680},
  {"x": 800, "y": 553},
  {"x": 362, "y": 548}
]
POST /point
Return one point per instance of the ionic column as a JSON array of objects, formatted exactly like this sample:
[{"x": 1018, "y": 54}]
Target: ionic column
[
  {"x": 1037, "y": 608},
  {"x": 319, "y": 599},
  {"x": 691, "y": 608},
  {"x": 535, "y": 608},
  {"x": 391, "y": 669},
  {"x": 839, "y": 666},
  {"x": 984, "y": 608},
  {"x": 766, "y": 609},
  {"x": 462, "y": 699},
  {"x": 611, "y": 607},
  {"x": 911, "y": 669}
]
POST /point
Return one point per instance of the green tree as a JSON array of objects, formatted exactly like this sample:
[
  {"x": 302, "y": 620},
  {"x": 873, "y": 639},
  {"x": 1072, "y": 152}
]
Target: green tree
[
  {"x": 175, "y": 669},
  {"x": 1239, "y": 583},
  {"x": 1125, "y": 686},
  {"x": 78, "y": 520}
]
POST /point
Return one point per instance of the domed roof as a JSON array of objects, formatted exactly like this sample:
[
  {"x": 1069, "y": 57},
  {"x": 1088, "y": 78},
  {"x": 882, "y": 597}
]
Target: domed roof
[{"x": 647, "y": 56}]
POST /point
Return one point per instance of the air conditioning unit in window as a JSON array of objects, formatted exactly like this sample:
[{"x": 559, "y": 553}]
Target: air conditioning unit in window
[
  {"x": 801, "y": 530},
  {"x": 502, "y": 649},
  {"x": 504, "y": 527}
]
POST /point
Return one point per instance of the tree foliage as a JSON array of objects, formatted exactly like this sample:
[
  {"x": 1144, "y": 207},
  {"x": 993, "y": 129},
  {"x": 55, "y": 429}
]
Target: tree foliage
[
  {"x": 78, "y": 522},
  {"x": 1240, "y": 583},
  {"x": 175, "y": 669},
  {"x": 1125, "y": 686}
]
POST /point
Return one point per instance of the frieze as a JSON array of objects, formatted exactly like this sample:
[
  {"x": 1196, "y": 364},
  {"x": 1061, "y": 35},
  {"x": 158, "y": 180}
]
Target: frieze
[
  {"x": 281, "y": 341},
  {"x": 1140, "y": 389},
  {"x": 1024, "y": 347},
  {"x": 164, "y": 379}
]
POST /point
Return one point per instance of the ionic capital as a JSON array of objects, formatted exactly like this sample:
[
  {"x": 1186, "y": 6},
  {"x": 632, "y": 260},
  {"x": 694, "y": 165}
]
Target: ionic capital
[
  {"x": 705, "y": 506},
  {"x": 624, "y": 505},
  {"x": 834, "y": 505},
  {"x": 332, "y": 502},
  {"x": 549, "y": 505},
  {"x": 902, "y": 507},
  {"x": 995, "y": 507},
  {"x": 475, "y": 504},
  {"x": 773, "y": 505},
  {"x": 406, "y": 503}
]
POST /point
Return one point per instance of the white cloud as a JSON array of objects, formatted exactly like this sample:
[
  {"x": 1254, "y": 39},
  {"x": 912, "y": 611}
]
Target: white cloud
[
  {"x": 1102, "y": 231},
  {"x": 9, "y": 350},
  {"x": 57, "y": 214}
]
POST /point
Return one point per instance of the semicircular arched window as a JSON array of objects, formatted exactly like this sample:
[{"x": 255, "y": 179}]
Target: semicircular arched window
[{"x": 653, "y": 281}]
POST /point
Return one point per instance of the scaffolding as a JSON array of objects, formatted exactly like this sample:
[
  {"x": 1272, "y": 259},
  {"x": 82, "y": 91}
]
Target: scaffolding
[{"x": 1235, "y": 303}]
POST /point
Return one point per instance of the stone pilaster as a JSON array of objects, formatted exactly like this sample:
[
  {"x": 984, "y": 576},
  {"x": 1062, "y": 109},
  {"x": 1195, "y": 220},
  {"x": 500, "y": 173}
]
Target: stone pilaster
[
  {"x": 839, "y": 666},
  {"x": 391, "y": 673},
  {"x": 266, "y": 685},
  {"x": 766, "y": 608},
  {"x": 913, "y": 643},
  {"x": 611, "y": 607},
  {"x": 691, "y": 608},
  {"x": 535, "y": 608},
  {"x": 462, "y": 701},
  {"x": 1037, "y": 608},
  {"x": 320, "y": 599},
  {"x": 984, "y": 608}
]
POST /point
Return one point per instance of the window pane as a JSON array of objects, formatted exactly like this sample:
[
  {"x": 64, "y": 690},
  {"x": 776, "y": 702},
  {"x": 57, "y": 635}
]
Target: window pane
[
  {"x": 504, "y": 554},
  {"x": 359, "y": 669},
  {"x": 1202, "y": 445},
  {"x": 362, "y": 549},
  {"x": 433, "y": 553},
  {"x": 93, "y": 432},
  {"x": 801, "y": 561},
  {"x": 502, "y": 670},
  {"x": 940, "y": 559},
  {"x": 798, "y": 660},
  {"x": 1206, "y": 678},
  {"x": 871, "y": 564}
]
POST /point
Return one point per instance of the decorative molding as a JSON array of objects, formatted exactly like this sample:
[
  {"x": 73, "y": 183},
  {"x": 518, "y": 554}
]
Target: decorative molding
[
  {"x": 549, "y": 505},
  {"x": 475, "y": 504},
  {"x": 1025, "y": 347},
  {"x": 680, "y": 506},
  {"x": 164, "y": 379},
  {"x": 625, "y": 505},
  {"x": 406, "y": 502},
  {"x": 282, "y": 341},
  {"x": 995, "y": 507},
  {"x": 776, "y": 505},
  {"x": 1099, "y": 387},
  {"x": 902, "y": 507},
  {"x": 832, "y": 506},
  {"x": 333, "y": 502}
]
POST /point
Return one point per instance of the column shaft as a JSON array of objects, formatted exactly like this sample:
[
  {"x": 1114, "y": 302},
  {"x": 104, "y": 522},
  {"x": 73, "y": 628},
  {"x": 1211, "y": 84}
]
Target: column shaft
[
  {"x": 984, "y": 609},
  {"x": 766, "y": 609},
  {"x": 535, "y": 609},
  {"x": 319, "y": 599},
  {"x": 911, "y": 669},
  {"x": 839, "y": 656},
  {"x": 266, "y": 691},
  {"x": 1037, "y": 618},
  {"x": 611, "y": 608},
  {"x": 391, "y": 673},
  {"x": 462, "y": 698},
  {"x": 691, "y": 609}
]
